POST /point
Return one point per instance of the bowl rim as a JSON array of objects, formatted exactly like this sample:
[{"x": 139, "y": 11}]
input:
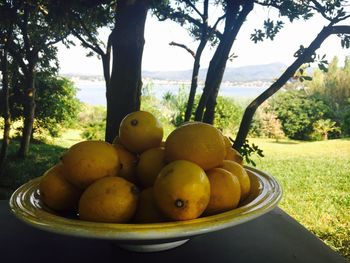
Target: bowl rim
[{"x": 26, "y": 206}]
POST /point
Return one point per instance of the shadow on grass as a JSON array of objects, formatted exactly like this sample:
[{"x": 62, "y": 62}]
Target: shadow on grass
[
  {"x": 285, "y": 142},
  {"x": 309, "y": 141},
  {"x": 17, "y": 171}
]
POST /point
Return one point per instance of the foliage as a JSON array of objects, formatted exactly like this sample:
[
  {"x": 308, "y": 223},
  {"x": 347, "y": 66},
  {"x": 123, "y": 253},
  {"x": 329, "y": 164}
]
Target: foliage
[
  {"x": 33, "y": 28},
  {"x": 94, "y": 130},
  {"x": 228, "y": 114},
  {"x": 266, "y": 123},
  {"x": 189, "y": 14},
  {"x": 248, "y": 150},
  {"x": 178, "y": 104},
  {"x": 297, "y": 112},
  {"x": 93, "y": 122},
  {"x": 323, "y": 127},
  {"x": 346, "y": 119},
  {"x": 29, "y": 33},
  {"x": 333, "y": 88},
  {"x": 56, "y": 102},
  {"x": 90, "y": 113},
  {"x": 84, "y": 23}
]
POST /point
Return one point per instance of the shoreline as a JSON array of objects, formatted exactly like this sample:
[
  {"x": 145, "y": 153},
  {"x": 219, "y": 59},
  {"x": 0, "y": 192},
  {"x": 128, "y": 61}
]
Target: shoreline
[{"x": 158, "y": 82}]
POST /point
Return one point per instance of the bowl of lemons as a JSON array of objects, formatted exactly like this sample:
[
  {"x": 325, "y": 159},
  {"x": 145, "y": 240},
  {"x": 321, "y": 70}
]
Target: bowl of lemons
[{"x": 146, "y": 194}]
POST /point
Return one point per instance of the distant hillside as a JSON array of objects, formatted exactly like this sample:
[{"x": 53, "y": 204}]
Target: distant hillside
[{"x": 265, "y": 72}]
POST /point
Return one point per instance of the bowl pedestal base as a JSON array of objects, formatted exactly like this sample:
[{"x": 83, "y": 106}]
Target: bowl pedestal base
[{"x": 152, "y": 247}]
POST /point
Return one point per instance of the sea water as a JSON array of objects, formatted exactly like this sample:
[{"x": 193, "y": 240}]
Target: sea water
[{"x": 94, "y": 92}]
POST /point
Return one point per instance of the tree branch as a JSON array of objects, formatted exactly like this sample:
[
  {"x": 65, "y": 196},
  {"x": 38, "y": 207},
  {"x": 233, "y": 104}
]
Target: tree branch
[
  {"x": 23, "y": 26},
  {"x": 322, "y": 10},
  {"x": 190, "y": 4},
  {"x": 288, "y": 73},
  {"x": 213, "y": 28},
  {"x": 205, "y": 11},
  {"x": 319, "y": 8},
  {"x": 341, "y": 29},
  {"x": 16, "y": 54},
  {"x": 56, "y": 40},
  {"x": 184, "y": 47},
  {"x": 187, "y": 17},
  {"x": 94, "y": 48}
]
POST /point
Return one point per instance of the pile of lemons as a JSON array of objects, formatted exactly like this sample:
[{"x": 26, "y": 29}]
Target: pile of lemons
[{"x": 140, "y": 178}]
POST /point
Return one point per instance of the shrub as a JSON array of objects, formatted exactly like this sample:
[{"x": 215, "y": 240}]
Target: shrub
[
  {"x": 93, "y": 121},
  {"x": 266, "y": 123},
  {"x": 56, "y": 104},
  {"x": 228, "y": 114},
  {"x": 94, "y": 130},
  {"x": 297, "y": 112},
  {"x": 177, "y": 104}
]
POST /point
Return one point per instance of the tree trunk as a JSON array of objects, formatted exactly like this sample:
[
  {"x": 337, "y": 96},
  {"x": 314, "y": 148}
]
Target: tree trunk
[
  {"x": 194, "y": 81},
  {"x": 232, "y": 29},
  {"x": 235, "y": 16},
  {"x": 209, "y": 114},
  {"x": 106, "y": 70},
  {"x": 5, "y": 110},
  {"x": 29, "y": 113},
  {"x": 106, "y": 59},
  {"x": 213, "y": 78},
  {"x": 325, "y": 136},
  {"x": 124, "y": 91}
]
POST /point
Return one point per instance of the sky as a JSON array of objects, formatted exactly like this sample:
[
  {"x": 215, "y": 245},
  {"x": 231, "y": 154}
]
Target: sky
[{"x": 160, "y": 56}]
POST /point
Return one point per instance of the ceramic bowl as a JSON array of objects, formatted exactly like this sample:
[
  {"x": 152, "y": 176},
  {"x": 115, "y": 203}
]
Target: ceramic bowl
[{"x": 265, "y": 194}]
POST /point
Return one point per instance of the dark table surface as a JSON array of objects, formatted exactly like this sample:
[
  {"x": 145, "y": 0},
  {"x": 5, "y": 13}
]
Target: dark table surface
[{"x": 273, "y": 237}]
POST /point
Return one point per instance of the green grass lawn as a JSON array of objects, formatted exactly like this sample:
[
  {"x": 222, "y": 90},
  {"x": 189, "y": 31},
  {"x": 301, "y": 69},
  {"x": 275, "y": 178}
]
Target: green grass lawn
[
  {"x": 41, "y": 157},
  {"x": 315, "y": 177}
]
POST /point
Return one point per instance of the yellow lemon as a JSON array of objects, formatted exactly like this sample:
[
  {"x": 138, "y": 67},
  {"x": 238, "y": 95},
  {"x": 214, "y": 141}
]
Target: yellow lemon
[
  {"x": 239, "y": 171},
  {"x": 182, "y": 190},
  {"x": 128, "y": 162},
  {"x": 150, "y": 164},
  {"x": 197, "y": 142},
  {"x": 87, "y": 161},
  {"x": 110, "y": 199},
  {"x": 56, "y": 192},
  {"x": 139, "y": 131},
  {"x": 225, "y": 191},
  {"x": 147, "y": 210},
  {"x": 234, "y": 155},
  {"x": 231, "y": 153}
]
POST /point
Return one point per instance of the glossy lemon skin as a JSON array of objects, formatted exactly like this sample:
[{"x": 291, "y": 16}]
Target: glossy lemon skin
[
  {"x": 87, "y": 161},
  {"x": 150, "y": 164},
  {"x": 110, "y": 199},
  {"x": 182, "y": 190},
  {"x": 225, "y": 191},
  {"x": 197, "y": 142},
  {"x": 56, "y": 192},
  {"x": 239, "y": 171},
  {"x": 139, "y": 131}
]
